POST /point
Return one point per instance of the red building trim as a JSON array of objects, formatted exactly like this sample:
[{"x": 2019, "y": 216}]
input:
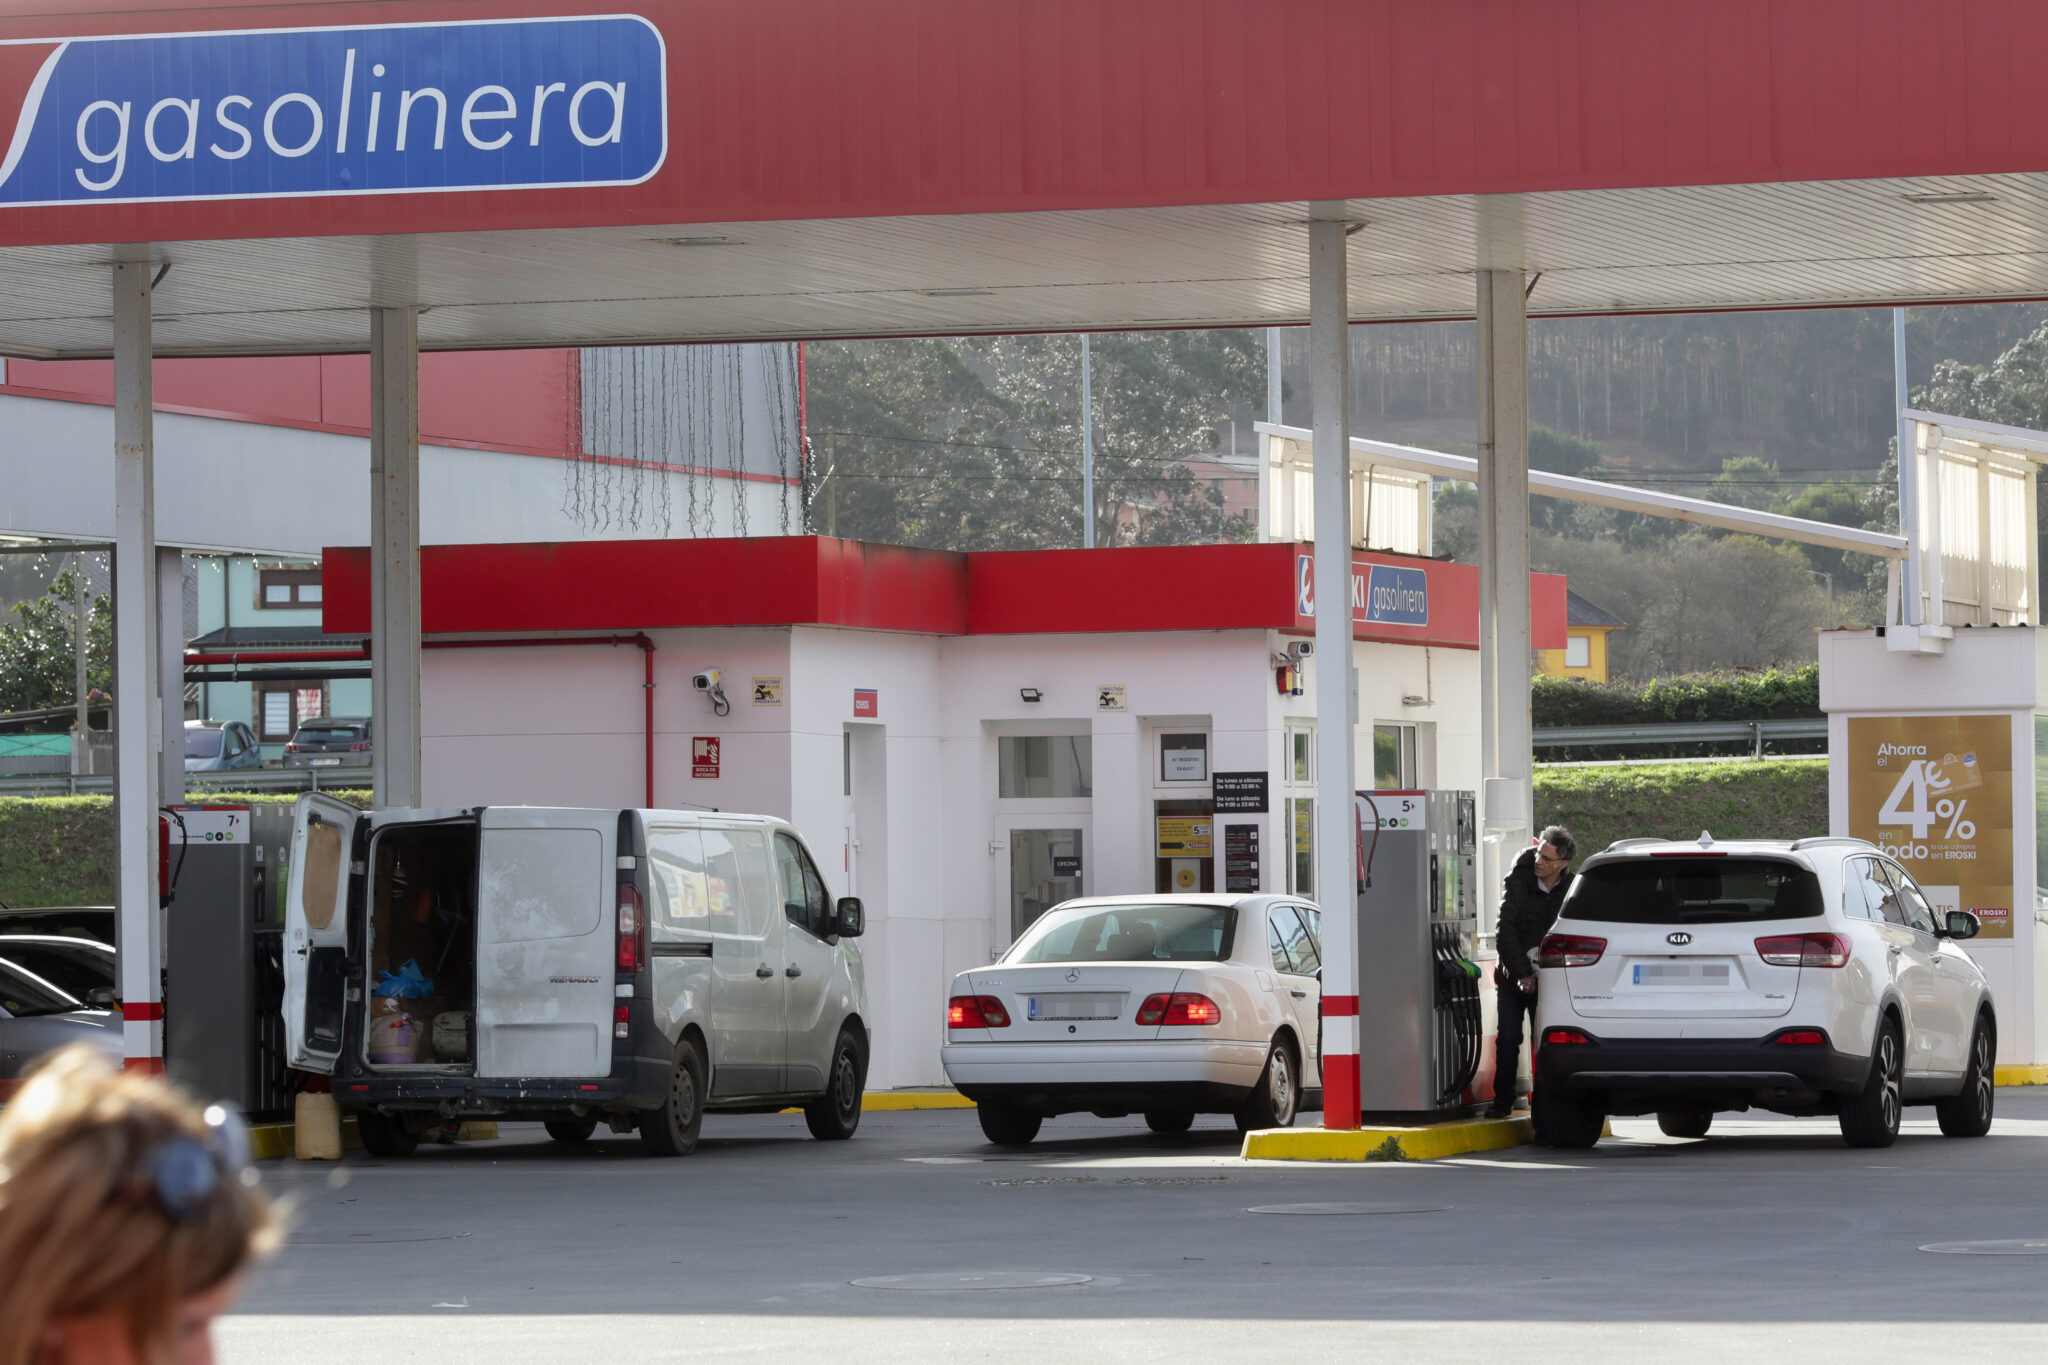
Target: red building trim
[{"x": 815, "y": 580}]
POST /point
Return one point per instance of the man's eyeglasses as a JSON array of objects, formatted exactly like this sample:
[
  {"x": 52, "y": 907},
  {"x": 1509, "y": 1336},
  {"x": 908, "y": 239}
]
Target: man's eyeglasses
[
  {"x": 1554, "y": 859},
  {"x": 185, "y": 1173}
]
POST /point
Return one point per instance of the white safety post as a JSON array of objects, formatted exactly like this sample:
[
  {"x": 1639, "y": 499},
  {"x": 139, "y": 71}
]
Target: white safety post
[
  {"x": 81, "y": 635},
  {"x": 1506, "y": 794},
  {"x": 138, "y": 719},
  {"x": 395, "y": 556},
  {"x": 170, "y": 677},
  {"x": 1336, "y": 824}
]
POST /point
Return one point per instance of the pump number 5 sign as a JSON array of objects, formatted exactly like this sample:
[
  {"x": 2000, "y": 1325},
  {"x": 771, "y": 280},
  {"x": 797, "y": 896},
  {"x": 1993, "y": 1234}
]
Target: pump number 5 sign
[{"x": 1935, "y": 792}]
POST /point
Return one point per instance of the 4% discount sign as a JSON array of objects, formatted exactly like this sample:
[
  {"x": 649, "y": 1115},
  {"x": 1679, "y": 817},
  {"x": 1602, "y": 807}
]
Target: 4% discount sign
[{"x": 1926, "y": 796}]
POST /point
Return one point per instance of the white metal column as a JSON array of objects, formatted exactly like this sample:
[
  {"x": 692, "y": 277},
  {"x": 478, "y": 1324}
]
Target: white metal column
[
  {"x": 138, "y": 719},
  {"x": 1504, "y": 658},
  {"x": 395, "y": 556},
  {"x": 170, "y": 675},
  {"x": 1336, "y": 684}
]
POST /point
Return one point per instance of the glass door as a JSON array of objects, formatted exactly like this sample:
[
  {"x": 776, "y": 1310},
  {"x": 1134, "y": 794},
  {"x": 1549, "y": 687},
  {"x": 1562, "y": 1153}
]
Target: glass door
[{"x": 1045, "y": 869}]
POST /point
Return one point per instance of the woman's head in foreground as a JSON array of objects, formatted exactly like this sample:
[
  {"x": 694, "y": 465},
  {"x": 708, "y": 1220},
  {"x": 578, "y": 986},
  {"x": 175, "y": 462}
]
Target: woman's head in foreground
[{"x": 127, "y": 1216}]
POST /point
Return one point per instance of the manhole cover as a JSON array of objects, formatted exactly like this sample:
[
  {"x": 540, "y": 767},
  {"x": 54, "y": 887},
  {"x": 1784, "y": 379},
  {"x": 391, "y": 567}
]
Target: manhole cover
[
  {"x": 987, "y": 1279},
  {"x": 2018, "y": 1246},
  {"x": 371, "y": 1239},
  {"x": 1337, "y": 1210}
]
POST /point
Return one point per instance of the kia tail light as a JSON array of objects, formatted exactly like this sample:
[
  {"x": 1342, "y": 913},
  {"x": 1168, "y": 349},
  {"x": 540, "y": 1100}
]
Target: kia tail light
[
  {"x": 1569, "y": 950},
  {"x": 1565, "y": 1037},
  {"x": 1804, "y": 950}
]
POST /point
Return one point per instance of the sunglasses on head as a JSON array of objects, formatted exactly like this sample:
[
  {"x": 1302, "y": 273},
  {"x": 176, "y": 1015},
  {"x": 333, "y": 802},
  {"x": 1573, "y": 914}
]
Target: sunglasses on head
[{"x": 186, "y": 1173}]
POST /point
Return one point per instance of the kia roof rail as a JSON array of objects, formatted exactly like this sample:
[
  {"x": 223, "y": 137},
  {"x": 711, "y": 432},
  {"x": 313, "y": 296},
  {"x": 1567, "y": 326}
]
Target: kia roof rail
[
  {"x": 1632, "y": 843},
  {"x": 1817, "y": 840}
]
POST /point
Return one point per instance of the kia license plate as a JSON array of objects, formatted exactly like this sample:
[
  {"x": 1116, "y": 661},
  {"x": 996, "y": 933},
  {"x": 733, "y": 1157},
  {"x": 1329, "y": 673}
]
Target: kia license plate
[{"x": 1681, "y": 974}]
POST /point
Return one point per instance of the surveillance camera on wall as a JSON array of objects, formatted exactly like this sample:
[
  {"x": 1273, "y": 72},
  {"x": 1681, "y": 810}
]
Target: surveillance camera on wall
[
  {"x": 1301, "y": 649},
  {"x": 707, "y": 681}
]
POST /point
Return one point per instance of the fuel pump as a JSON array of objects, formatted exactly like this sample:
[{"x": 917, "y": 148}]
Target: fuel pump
[
  {"x": 223, "y": 953},
  {"x": 1421, "y": 1027}
]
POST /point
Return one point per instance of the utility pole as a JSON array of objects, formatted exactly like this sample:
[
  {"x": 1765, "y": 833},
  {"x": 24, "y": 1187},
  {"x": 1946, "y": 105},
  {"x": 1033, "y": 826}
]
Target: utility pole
[
  {"x": 1087, "y": 448},
  {"x": 81, "y": 634}
]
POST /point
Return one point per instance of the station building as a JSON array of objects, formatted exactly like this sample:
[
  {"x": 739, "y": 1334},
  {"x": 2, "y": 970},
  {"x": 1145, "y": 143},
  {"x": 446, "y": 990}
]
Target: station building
[{"x": 964, "y": 739}]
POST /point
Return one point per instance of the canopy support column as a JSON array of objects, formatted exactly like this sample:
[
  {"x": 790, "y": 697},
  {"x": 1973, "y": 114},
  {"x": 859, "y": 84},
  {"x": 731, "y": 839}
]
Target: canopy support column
[
  {"x": 139, "y": 738},
  {"x": 1506, "y": 798},
  {"x": 395, "y": 556},
  {"x": 170, "y": 675},
  {"x": 1336, "y": 828}
]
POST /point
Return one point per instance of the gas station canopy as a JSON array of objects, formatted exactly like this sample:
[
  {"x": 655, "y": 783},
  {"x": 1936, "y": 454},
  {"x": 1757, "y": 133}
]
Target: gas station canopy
[{"x": 917, "y": 167}]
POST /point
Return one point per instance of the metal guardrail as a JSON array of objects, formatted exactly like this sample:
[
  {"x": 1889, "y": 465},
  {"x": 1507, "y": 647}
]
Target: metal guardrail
[
  {"x": 1751, "y": 732},
  {"x": 196, "y": 784}
]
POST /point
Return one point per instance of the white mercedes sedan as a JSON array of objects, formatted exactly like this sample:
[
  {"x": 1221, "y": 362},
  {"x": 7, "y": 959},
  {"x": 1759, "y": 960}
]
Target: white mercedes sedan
[{"x": 1169, "y": 1006}]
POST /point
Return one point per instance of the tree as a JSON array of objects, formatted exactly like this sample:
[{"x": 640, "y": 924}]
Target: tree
[{"x": 38, "y": 651}]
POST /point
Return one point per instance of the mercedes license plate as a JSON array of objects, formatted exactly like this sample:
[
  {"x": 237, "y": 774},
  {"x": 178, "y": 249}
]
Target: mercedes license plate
[{"x": 1075, "y": 1007}]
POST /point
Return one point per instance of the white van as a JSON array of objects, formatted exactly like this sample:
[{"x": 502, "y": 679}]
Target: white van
[{"x": 632, "y": 966}]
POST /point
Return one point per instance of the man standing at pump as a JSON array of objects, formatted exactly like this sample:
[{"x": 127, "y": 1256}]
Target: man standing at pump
[{"x": 1529, "y": 899}]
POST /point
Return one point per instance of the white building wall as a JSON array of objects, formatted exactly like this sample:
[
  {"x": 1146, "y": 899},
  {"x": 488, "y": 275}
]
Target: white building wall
[
  {"x": 561, "y": 726},
  {"x": 251, "y": 488}
]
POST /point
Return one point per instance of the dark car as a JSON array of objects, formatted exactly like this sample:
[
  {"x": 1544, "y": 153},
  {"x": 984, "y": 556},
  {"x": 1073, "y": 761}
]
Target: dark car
[
  {"x": 95, "y": 922},
  {"x": 76, "y": 966},
  {"x": 38, "y": 1017},
  {"x": 329, "y": 742}
]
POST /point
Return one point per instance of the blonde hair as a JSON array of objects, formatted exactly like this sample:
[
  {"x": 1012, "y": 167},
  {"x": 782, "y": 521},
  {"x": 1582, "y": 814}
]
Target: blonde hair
[{"x": 81, "y": 1228}]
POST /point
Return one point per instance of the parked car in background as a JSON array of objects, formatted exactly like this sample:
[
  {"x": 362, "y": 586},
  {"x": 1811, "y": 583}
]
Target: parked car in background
[
  {"x": 1170, "y": 1006},
  {"x": 76, "y": 966},
  {"x": 212, "y": 747},
  {"x": 37, "y": 1017},
  {"x": 1688, "y": 979},
  {"x": 329, "y": 742},
  {"x": 95, "y": 922}
]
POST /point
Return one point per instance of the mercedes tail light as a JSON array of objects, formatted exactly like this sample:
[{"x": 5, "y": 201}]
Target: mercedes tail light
[
  {"x": 1180, "y": 1008},
  {"x": 1569, "y": 950},
  {"x": 976, "y": 1011},
  {"x": 632, "y": 929},
  {"x": 1804, "y": 950}
]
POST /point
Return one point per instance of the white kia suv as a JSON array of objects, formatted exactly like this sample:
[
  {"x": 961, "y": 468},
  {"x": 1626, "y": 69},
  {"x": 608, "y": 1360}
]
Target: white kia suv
[{"x": 1689, "y": 979}]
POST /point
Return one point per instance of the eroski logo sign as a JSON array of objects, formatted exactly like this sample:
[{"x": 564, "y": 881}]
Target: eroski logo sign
[{"x": 395, "y": 108}]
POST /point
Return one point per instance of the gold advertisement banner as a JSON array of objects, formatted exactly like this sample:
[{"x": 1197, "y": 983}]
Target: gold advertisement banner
[
  {"x": 1186, "y": 836},
  {"x": 1935, "y": 792}
]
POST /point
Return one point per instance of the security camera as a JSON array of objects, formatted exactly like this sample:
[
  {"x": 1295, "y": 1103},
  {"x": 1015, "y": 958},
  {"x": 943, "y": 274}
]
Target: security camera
[
  {"x": 1301, "y": 649},
  {"x": 707, "y": 681}
]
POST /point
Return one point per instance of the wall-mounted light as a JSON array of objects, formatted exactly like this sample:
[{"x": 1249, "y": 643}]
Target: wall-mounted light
[{"x": 1031, "y": 694}]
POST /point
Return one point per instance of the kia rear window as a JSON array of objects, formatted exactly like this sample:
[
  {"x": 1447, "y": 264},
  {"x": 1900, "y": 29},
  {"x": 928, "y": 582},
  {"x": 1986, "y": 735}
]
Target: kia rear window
[
  {"x": 1128, "y": 933},
  {"x": 1693, "y": 890}
]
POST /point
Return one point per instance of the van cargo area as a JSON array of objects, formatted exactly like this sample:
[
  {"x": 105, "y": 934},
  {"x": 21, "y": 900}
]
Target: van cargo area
[{"x": 420, "y": 973}]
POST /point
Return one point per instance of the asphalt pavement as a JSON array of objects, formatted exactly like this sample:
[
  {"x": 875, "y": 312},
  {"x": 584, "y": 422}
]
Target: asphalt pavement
[{"x": 1106, "y": 1242}]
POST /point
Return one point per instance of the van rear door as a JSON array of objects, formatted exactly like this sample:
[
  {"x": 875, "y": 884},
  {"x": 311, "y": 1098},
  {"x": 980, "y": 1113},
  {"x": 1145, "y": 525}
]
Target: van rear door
[
  {"x": 546, "y": 955},
  {"x": 316, "y": 930}
]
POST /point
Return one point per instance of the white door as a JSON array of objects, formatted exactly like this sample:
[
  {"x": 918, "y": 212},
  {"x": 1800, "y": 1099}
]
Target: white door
[
  {"x": 747, "y": 962},
  {"x": 1936, "y": 994},
  {"x": 316, "y": 930},
  {"x": 1297, "y": 967},
  {"x": 546, "y": 941},
  {"x": 809, "y": 1026}
]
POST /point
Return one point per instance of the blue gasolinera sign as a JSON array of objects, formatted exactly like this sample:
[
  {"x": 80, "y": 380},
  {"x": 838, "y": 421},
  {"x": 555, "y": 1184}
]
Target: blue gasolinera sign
[
  {"x": 1398, "y": 597},
  {"x": 385, "y": 109}
]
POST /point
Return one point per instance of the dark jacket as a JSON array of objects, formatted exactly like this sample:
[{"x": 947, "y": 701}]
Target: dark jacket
[{"x": 1526, "y": 913}]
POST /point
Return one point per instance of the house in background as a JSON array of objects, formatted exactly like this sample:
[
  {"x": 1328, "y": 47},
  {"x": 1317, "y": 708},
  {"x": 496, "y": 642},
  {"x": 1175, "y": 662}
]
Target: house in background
[
  {"x": 244, "y": 602},
  {"x": 1585, "y": 642}
]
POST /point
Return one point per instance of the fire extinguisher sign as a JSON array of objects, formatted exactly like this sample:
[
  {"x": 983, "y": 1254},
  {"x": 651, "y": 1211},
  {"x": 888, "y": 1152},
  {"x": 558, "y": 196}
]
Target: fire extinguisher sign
[
  {"x": 1935, "y": 793},
  {"x": 704, "y": 756}
]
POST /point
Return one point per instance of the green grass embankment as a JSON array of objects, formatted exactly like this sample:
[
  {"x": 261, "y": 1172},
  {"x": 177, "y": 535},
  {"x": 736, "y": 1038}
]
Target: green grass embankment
[{"x": 1735, "y": 799}]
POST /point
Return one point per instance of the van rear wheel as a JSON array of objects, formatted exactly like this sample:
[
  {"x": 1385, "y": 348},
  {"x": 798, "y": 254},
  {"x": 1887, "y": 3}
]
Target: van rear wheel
[
  {"x": 384, "y": 1135},
  {"x": 571, "y": 1129},
  {"x": 834, "y": 1115},
  {"x": 672, "y": 1129}
]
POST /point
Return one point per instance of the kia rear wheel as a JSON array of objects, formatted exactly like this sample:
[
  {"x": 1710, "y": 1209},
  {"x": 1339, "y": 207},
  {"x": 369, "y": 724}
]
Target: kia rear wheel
[
  {"x": 1968, "y": 1114},
  {"x": 1684, "y": 1123},
  {"x": 1870, "y": 1118},
  {"x": 1564, "y": 1120}
]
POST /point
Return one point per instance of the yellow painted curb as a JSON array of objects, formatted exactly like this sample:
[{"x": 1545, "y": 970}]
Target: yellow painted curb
[
  {"x": 269, "y": 1141},
  {"x": 1424, "y": 1143},
  {"x": 2019, "y": 1075},
  {"x": 914, "y": 1099}
]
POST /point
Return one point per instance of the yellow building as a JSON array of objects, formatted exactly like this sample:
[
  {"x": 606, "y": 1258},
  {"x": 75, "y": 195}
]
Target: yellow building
[{"x": 1585, "y": 642}]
